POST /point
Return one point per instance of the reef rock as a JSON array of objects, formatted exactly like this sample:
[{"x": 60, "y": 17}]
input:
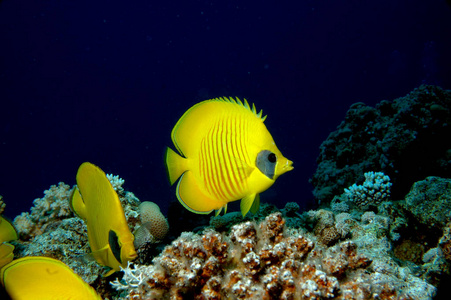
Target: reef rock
[
  {"x": 429, "y": 201},
  {"x": 407, "y": 139}
]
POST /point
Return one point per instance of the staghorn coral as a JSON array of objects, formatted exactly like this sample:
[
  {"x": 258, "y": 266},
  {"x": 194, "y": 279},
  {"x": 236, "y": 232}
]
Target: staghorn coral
[
  {"x": 373, "y": 191},
  {"x": 268, "y": 261}
]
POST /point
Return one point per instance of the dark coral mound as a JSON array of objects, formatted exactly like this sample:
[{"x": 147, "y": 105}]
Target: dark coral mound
[{"x": 408, "y": 139}]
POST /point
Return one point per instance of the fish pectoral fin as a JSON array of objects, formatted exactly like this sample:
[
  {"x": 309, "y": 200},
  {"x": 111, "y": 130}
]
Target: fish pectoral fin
[
  {"x": 247, "y": 203},
  {"x": 243, "y": 167},
  {"x": 77, "y": 204},
  {"x": 256, "y": 204},
  {"x": 101, "y": 254},
  {"x": 193, "y": 198}
]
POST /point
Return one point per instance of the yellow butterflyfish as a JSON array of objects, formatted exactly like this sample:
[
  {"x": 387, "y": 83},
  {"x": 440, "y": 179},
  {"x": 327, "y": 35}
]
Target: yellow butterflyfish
[
  {"x": 95, "y": 201},
  {"x": 39, "y": 277},
  {"x": 7, "y": 233},
  {"x": 226, "y": 153}
]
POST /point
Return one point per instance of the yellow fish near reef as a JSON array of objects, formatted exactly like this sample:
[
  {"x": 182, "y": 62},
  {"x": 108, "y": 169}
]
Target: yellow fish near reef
[
  {"x": 7, "y": 233},
  {"x": 95, "y": 201},
  {"x": 38, "y": 277},
  {"x": 226, "y": 154}
]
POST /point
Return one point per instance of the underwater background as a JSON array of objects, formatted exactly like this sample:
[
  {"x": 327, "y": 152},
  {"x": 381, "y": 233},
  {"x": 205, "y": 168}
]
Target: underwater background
[
  {"x": 106, "y": 82},
  {"x": 348, "y": 87}
]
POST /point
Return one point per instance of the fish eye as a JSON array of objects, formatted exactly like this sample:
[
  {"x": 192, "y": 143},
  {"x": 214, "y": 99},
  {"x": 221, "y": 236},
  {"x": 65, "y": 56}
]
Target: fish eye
[{"x": 272, "y": 157}]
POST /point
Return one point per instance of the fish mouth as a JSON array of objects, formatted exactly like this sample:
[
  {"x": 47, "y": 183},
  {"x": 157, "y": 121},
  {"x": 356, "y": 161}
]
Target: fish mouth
[{"x": 288, "y": 166}]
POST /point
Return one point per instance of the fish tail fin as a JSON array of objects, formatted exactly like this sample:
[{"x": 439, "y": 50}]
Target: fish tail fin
[{"x": 175, "y": 165}]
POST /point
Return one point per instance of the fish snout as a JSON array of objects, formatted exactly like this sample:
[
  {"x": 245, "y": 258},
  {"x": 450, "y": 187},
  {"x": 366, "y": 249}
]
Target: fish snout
[{"x": 288, "y": 166}]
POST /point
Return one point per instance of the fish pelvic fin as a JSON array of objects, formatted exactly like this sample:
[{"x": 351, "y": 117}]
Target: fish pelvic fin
[
  {"x": 256, "y": 204},
  {"x": 248, "y": 202},
  {"x": 193, "y": 198},
  {"x": 176, "y": 165}
]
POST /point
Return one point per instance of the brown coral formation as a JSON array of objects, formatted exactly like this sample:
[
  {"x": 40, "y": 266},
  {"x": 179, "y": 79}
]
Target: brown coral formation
[{"x": 254, "y": 261}]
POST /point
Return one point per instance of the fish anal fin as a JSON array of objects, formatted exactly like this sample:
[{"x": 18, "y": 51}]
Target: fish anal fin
[
  {"x": 193, "y": 198},
  {"x": 246, "y": 204}
]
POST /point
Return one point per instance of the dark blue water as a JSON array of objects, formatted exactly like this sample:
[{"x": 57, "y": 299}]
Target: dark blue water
[{"x": 105, "y": 82}]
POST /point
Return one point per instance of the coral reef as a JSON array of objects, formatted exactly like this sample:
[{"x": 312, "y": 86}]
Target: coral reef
[
  {"x": 51, "y": 230},
  {"x": 154, "y": 226},
  {"x": 116, "y": 182},
  {"x": 429, "y": 201},
  {"x": 152, "y": 218},
  {"x": 388, "y": 138},
  {"x": 52, "y": 207},
  {"x": 266, "y": 260},
  {"x": 2, "y": 205},
  {"x": 445, "y": 242},
  {"x": 373, "y": 191}
]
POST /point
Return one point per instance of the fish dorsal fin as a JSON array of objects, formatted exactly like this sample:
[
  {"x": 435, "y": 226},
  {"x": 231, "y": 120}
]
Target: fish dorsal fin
[
  {"x": 196, "y": 122},
  {"x": 244, "y": 104}
]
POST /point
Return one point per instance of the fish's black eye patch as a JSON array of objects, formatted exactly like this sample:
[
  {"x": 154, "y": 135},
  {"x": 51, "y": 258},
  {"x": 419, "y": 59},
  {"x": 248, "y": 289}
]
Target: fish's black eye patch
[
  {"x": 113, "y": 240},
  {"x": 266, "y": 163}
]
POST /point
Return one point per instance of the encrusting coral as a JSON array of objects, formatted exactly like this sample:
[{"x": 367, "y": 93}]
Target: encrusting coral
[
  {"x": 265, "y": 260},
  {"x": 52, "y": 207}
]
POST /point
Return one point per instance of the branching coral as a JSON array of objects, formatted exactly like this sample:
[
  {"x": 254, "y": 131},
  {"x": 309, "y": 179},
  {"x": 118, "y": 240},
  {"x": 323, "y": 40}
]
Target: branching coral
[{"x": 373, "y": 191}]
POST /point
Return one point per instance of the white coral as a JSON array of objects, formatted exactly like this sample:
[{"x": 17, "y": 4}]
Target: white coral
[{"x": 116, "y": 182}]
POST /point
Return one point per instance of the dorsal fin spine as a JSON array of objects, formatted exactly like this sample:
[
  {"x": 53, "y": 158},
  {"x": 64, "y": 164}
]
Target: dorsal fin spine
[{"x": 245, "y": 104}]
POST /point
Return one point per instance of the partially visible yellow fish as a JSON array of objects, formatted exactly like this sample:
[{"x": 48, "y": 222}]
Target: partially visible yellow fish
[
  {"x": 226, "y": 154},
  {"x": 7, "y": 233},
  {"x": 38, "y": 277},
  {"x": 95, "y": 201}
]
